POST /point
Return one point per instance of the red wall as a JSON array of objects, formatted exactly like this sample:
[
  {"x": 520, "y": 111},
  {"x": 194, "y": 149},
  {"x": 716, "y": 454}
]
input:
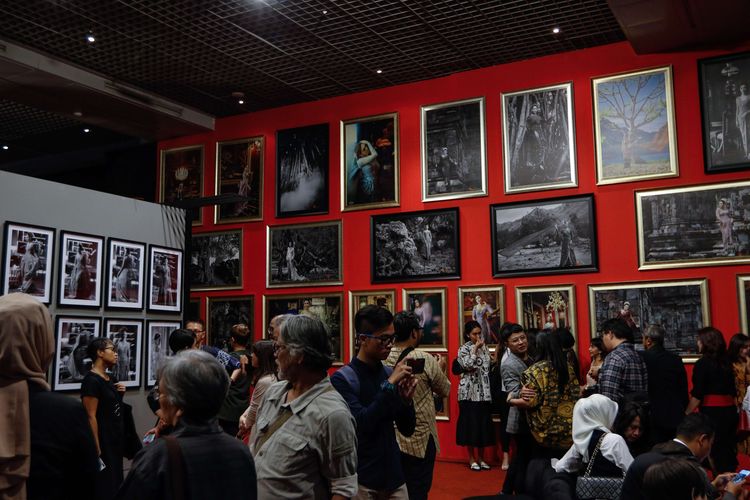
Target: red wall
[{"x": 615, "y": 209}]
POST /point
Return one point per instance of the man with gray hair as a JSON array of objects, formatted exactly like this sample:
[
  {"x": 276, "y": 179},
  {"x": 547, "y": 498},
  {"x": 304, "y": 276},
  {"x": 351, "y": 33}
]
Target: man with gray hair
[
  {"x": 667, "y": 385},
  {"x": 306, "y": 444},
  {"x": 181, "y": 463},
  {"x": 274, "y": 326}
]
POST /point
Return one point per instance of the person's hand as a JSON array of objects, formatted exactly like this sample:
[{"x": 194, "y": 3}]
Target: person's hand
[
  {"x": 243, "y": 362},
  {"x": 400, "y": 371},
  {"x": 527, "y": 394},
  {"x": 406, "y": 387},
  {"x": 479, "y": 344},
  {"x": 243, "y": 424},
  {"x": 722, "y": 480},
  {"x": 442, "y": 361},
  {"x": 735, "y": 488},
  {"x": 120, "y": 387},
  {"x": 594, "y": 372}
]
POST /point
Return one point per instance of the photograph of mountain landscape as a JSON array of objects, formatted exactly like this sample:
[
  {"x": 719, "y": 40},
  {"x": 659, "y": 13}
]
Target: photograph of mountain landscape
[
  {"x": 544, "y": 237},
  {"x": 635, "y": 132}
]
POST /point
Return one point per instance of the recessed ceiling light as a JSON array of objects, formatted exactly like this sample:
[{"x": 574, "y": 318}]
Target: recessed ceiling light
[
  {"x": 6, "y": 148},
  {"x": 86, "y": 130},
  {"x": 90, "y": 38},
  {"x": 378, "y": 71},
  {"x": 77, "y": 113},
  {"x": 555, "y": 30},
  {"x": 325, "y": 12},
  {"x": 241, "y": 101}
]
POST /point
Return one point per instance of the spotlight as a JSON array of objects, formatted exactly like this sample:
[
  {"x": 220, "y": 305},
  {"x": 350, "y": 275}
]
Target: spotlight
[
  {"x": 77, "y": 114},
  {"x": 86, "y": 130},
  {"x": 378, "y": 71},
  {"x": 241, "y": 101},
  {"x": 555, "y": 30},
  {"x": 325, "y": 12},
  {"x": 5, "y": 147},
  {"x": 90, "y": 38}
]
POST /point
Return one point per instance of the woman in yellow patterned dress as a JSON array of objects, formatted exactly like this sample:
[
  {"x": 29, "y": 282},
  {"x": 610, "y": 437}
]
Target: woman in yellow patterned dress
[{"x": 738, "y": 351}]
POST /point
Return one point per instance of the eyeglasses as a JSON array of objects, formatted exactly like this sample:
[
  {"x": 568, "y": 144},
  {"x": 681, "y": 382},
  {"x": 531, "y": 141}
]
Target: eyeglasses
[
  {"x": 278, "y": 347},
  {"x": 383, "y": 339},
  {"x": 110, "y": 348}
]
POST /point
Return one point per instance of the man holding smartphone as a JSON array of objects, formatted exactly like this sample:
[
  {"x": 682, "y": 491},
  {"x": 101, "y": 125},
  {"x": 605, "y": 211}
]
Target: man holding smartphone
[{"x": 418, "y": 450}]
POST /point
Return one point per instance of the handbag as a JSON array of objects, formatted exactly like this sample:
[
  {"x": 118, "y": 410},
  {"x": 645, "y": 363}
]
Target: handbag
[{"x": 597, "y": 488}]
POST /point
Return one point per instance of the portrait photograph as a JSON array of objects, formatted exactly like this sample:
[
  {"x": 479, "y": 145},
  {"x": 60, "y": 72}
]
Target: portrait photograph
[
  {"x": 157, "y": 347},
  {"x": 165, "y": 279},
  {"x": 80, "y": 282},
  {"x": 182, "y": 176},
  {"x": 539, "y": 139},
  {"x": 126, "y": 264},
  {"x": 239, "y": 170},
  {"x": 328, "y": 308},
  {"x": 486, "y": 306},
  {"x": 547, "y": 308},
  {"x": 369, "y": 162},
  {"x": 222, "y": 313},
  {"x": 453, "y": 150},
  {"x": 27, "y": 262},
  {"x": 429, "y": 307},
  {"x": 725, "y": 112},
  {"x": 302, "y": 171},
  {"x": 72, "y": 337},
  {"x": 635, "y": 127},
  {"x": 216, "y": 261},
  {"x": 442, "y": 410},
  {"x": 693, "y": 226},
  {"x": 362, "y": 298},
  {"x": 304, "y": 255},
  {"x": 680, "y": 307},
  {"x": 415, "y": 246},
  {"x": 127, "y": 335},
  {"x": 553, "y": 236}
]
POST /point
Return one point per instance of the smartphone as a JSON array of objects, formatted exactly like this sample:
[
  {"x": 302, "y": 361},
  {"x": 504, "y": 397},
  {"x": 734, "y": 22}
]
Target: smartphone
[
  {"x": 740, "y": 476},
  {"x": 417, "y": 365}
]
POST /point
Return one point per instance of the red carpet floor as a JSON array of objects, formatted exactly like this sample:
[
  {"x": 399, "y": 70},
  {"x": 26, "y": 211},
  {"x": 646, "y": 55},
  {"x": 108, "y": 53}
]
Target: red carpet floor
[{"x": 453, "y": 481}]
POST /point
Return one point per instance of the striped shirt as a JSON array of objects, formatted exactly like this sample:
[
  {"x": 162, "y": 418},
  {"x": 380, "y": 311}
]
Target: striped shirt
[{"x": 432, "y": 380}]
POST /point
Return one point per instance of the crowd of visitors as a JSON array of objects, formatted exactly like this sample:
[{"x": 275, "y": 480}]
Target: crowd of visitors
[{"x": 265, "y": 419}]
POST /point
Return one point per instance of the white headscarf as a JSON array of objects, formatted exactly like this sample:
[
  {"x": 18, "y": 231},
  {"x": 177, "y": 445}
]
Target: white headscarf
[{"x": 595, "y": 412}]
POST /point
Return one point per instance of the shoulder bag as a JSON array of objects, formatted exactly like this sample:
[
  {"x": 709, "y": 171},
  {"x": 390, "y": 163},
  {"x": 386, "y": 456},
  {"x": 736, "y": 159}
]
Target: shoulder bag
[{"x": 597, "y": 488}]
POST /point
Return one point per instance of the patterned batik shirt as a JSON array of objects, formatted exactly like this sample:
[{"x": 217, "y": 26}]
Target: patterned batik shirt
[{"x": 474, "y": 384}]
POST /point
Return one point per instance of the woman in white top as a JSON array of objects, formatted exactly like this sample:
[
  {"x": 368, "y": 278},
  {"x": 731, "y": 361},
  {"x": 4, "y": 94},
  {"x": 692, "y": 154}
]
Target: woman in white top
[{"x": 264, "y": 375}]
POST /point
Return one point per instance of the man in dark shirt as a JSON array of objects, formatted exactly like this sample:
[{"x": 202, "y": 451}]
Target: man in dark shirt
[
  {"x": 238, "y": 397},
  {"x": 377, "y": 397},
  {"x": 623, "y": 371},
  {"x": 667, "y": 385}
]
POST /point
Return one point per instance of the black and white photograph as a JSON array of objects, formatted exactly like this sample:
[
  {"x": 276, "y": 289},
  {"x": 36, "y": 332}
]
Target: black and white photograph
[
  {"x": 680, "y": 307},
  {"x": 302, "y": 175},
  {"x": 81, "y": 258},
  {"x": 547, "y": 307},
  {"x": 304, "y": 255},
  {"x": 216, "y": 261},
  {"x": 27, "y": 261},
  {"x": 73, "y": 335},
  {"x": 193, "y": 309},
  {"x": 693, "y": 226},
  {"x": 725, "y": 112},
  {"x": 539, "y": 139},
  {"x": 415, "y": 246},
  {"x": 157, "y": 347},
  {"x": 369, "y": 162},
  {"x": 553, "y": 236},
  {"x": 127, "y": 336},
  {"x": 429, "y": 307},
  {"x": 453, "y": 150},
  {"x": 328, "y": 308},
  {"x": 165, "y": 279},
  {"x": 127, "y": 261},
  {"x": 239, "y": 170},
  {"x": 222, "y": 313},
  {"x": 743, "y": 293},
  {"x": 362, "y": 298}
]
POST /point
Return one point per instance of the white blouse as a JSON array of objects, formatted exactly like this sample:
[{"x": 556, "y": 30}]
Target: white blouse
[{"x": 613, "y": 448}]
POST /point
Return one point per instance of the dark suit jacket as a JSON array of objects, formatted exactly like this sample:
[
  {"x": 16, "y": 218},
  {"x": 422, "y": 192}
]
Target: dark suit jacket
[{"x": 667, "y": 387}]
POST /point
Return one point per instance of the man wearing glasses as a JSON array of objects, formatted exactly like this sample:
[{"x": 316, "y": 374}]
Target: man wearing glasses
[{"x": 378, "y": 396}]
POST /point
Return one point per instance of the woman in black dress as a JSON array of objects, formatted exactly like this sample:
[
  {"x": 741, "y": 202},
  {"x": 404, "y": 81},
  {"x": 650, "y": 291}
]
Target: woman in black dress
[{"x": 102, "y": 398}]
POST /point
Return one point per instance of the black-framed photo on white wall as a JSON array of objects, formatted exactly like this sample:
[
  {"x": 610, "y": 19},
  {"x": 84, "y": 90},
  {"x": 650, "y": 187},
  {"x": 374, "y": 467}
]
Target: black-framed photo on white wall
[
  {"x": 80, "y": 281},
  {"x": 27, "y": 262},
  {"x": 157, "y": 347},
  {"x": 72, "y": 337},
  {"x": 126, "y": 261},
  {"x": 127, "y": 336},
  {"x": 165, "y": 279}
]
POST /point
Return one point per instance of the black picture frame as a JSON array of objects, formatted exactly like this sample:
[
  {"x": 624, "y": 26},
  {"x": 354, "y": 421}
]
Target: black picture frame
[
  {"x": 154, "y": 304},
  {"x": 135, "y": 349},
  {"x": 565, "y": 220},
  {"x": 154, "y": 355},
  {"x": 81, "y": 270},
  {"x": 304, "y": 255},
  {"x": 140, "y": 268},
  {"x": 12, "y": 279},
  {"x": 720, "y": 79},
  {"x": 71, "y": 360},
  {"x": 218, "y": 266},
  {"x": 302, "y": 154},
  {"x": 236, "y": 309},
  {"x": 413, "y": 257}
]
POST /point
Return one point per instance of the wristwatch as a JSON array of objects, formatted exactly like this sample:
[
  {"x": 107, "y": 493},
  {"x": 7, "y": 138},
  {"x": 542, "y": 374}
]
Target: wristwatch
[{"x": 388, "y": 387}]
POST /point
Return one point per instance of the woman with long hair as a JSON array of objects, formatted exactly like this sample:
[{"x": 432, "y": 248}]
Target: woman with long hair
[
  {"x": 596, "y": 351},
  {"x": 632, "y": 423},
  {"x": 738, "y": 351},
  {"x": 263, "y": 362},
  {"x": 713, "y": 394}
]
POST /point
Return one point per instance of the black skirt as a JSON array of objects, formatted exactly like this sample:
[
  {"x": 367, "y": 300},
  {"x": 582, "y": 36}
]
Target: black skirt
[{"x": 474, "y": 427}]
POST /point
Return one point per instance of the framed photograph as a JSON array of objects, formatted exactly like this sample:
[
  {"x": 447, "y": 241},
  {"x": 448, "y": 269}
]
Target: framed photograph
[
  {"x": 127, "y": 335},
  {"x": 542, "y": 237},
  {"x": 222, "y": 313},
  {"x": 539, "y": 139},
  {"x": 444, "y": 413},
  {"x": 304, "y": 255},
  {"x": 157, "y": 347},
  {"x": 73, "y": 334},
  {"x": 725, "y": 112},
  {"x": 328, "y": 307},
  {"x": 165, "y": 279},
  {"x": 182, "y": 176},
  {"x": 362, "y": 298},
  {"x": 548, "y": 307},
  {"x": 216, "y": 261},
  {"x": 635, "y": 127},
  {"x": 125, "y": 272},
  {"x": 486, "y": 306},
  {"x": 743, "y": 292},
  {"x": 302, "y": 171},
  {"x": 27, "y": 261},
  {"x": 369, "y": 162},
  {"x": 193, "y": 309},
  {"x": 429, "y": 307},
  {"x": 415, "y": 246},
  {"x": 239, "y": 170},
  {"x": 80, "y": 281},
  {"x": 681, "y": 307},
  {"x": 453, "y": 150},
  {"x": 693, "y": 226}
]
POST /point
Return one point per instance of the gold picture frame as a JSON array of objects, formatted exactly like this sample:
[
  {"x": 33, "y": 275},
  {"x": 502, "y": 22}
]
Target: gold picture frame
[
  {"x": 545, "y": 307},
  {"x": 492, "y": 296},
  {"x": 226, "y": 180},
  {"x": 743, "y": 295},
  {"x": 182, "y": 163},
  {"x": 432, "y": 315},
  {"x": 359, "y": 298},
  {"x": 218, "y": 325},
  {"x": 444, "y": 415}
]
